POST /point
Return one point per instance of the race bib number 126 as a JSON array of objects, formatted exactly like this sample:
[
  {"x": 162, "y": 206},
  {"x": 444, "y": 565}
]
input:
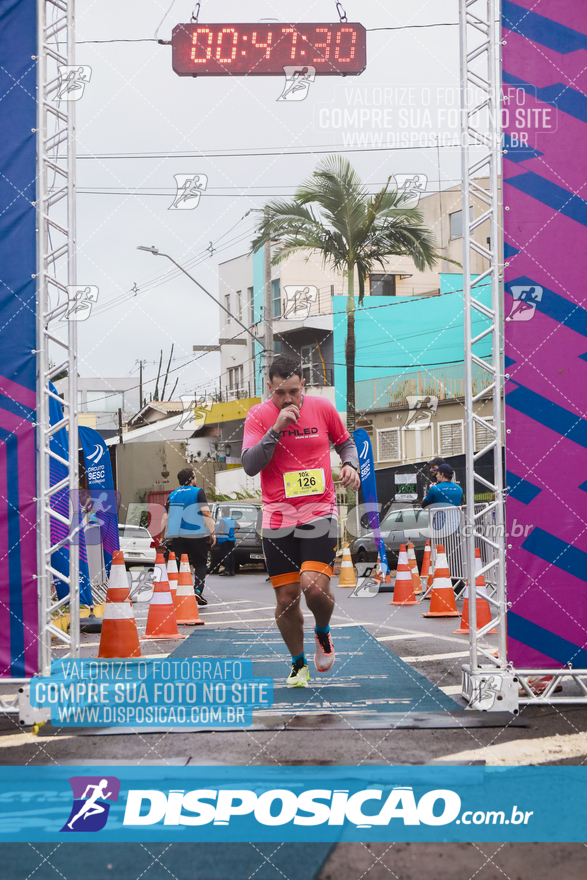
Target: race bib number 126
[{"x": 304, "y": 483}]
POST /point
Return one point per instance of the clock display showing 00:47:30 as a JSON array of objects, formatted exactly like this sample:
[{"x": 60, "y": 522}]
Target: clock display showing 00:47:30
[{"x": 264, "y": 50}]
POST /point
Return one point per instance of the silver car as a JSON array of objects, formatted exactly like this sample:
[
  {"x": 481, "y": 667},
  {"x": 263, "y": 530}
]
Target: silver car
[
  {"x": 397, "y": 528},
  {"x": 137, "y": 545}
]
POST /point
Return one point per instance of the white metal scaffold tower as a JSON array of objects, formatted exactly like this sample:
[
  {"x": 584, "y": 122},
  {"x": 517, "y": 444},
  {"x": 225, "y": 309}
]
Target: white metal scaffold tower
[
  {"x": 56, "y": 336},
  {"x": 488, "y": 681}
]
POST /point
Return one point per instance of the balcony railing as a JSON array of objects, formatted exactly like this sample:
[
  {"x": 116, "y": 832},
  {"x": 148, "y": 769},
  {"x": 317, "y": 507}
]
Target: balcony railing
[{"x": 445, "y": 383}]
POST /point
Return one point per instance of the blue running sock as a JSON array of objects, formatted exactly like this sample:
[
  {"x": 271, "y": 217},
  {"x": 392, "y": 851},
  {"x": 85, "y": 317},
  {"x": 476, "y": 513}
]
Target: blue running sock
[
  {"x": 297, "y": 657},
  {"x": 322, "y": 629}
]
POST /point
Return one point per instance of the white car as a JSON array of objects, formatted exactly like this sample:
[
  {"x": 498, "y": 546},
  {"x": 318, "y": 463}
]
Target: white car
[{"x": 137, "y": 545}]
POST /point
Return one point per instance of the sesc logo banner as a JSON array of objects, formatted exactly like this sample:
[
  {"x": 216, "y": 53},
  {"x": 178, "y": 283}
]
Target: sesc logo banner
[
  {"x": 281, "y": 806},
  {"x": 91, "y": 795}
]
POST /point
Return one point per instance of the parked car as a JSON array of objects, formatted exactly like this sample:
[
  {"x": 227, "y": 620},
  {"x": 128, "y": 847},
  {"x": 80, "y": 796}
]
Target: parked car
[
  {"x": 398, "y": 527},
  {"x": 137, "y": 545},
  {"x": 247, "y": 517}
]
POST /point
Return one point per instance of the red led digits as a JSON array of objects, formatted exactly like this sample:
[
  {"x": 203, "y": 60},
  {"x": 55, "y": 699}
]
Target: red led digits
[
  {"x": 261, "y": 50},
  {"x": 202, "y": 30},
  {"x": 266, "y": 46},
  {"x": 227, "y": 30},
  {"x": 338, "y": 41},
  {"x": 325, "y": 55},
  {"x": 294, "y": 40}
]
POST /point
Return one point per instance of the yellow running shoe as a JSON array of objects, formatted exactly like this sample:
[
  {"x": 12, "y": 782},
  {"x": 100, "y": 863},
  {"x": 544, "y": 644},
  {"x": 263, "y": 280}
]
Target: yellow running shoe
[{"x": 299, "y": 675}]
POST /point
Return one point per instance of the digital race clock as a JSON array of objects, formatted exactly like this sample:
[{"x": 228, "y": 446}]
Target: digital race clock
[{"x": 265, "y": 49}]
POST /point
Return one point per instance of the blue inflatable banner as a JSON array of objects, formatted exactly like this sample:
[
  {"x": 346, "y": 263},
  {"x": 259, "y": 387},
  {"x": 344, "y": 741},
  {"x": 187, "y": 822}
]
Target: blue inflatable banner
[
  {"x": 60, "y": 502},
  {"x": 18, "y": 339},
  {"x": 369, "y": 488},
  {"x": 101, "y": 487}
]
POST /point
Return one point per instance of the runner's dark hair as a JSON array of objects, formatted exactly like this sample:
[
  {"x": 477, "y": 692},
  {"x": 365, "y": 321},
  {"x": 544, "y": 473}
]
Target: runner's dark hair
[{"x": 284, "y": 367}]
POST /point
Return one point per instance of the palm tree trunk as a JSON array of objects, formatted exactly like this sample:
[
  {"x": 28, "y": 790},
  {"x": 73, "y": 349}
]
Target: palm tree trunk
[{"x": 349, "y": 351}]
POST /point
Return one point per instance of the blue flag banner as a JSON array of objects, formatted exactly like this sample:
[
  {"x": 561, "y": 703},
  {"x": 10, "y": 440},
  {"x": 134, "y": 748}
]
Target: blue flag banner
[
  {"x": 202, "y": 804},
  {"x": 60, "y": 502},
  {"x": 101, "y": 487},
  {"x": 369, "y": 487}
]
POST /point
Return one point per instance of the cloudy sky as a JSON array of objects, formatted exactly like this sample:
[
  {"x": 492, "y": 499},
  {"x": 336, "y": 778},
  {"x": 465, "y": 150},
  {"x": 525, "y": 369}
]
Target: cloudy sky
[{"x": 136, "y": 105}]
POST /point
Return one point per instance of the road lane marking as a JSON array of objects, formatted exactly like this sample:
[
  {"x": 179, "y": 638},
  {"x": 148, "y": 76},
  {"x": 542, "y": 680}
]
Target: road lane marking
[
  {"x": 424, "y": 658},
  {"x": 527, "y": 751}
]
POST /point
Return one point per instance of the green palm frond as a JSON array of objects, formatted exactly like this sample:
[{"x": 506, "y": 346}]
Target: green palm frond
[{"x": 333, "y": 214}]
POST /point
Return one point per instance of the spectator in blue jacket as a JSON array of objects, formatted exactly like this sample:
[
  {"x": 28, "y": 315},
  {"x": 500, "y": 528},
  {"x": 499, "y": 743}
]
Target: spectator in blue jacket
[
  {"x": 444, "y": 491},
  {"x": 226, "y": 542}
]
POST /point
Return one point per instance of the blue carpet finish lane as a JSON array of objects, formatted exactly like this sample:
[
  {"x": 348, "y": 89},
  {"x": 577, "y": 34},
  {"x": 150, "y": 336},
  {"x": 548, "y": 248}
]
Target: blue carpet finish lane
[
  {"x": 178, "y": 861},
  {"x": 365, "y": 678}
]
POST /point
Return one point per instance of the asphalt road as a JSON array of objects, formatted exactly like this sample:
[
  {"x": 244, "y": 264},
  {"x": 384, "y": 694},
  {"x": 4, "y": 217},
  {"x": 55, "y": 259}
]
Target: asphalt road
[{"x": 554, "y": 735}]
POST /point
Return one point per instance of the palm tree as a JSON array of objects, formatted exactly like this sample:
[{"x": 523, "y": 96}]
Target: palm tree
[{"x": 333, "y": 214}]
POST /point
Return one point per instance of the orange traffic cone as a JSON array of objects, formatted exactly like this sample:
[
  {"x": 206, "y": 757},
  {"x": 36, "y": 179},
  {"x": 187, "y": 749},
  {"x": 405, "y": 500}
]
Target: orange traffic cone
[
  {"x": 172, "y": 574},
  {"x": 378, "y": 575},
  {"x": 403, "y": 593},
  {"x": 425, "y": 573},
  {"x": 119, "y": 637},
  {"x": 413, "y": 563},
  {"x": 161, "y": 622},
  {"x": 347, "y": 572},
  {"x": 186, "y": 607},
  {"x": 442, "y": 600},
  {"x": 483, "y": 607}
]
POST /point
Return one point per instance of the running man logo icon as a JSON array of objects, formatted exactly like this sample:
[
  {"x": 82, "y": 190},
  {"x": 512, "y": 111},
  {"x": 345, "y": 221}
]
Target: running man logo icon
[
  {"x": 80, "y": 301},
  {"x": 90, "y": 802},
  {"x": 411, "y": 186},
  {"x": 298, "y": 301},
  {"x": 194, "y": 413},
  {"x": 297, "y": 83},
  {"x": 189, "y": 188},
  {"x": 525, "y": 298},
  {"x": 72, "y": 82},
  {"x": 420, "y": 412}
]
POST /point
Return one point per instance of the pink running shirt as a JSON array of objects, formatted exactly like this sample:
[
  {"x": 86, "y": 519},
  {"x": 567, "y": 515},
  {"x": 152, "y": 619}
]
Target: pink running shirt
[{"x": 303, "y": 446}]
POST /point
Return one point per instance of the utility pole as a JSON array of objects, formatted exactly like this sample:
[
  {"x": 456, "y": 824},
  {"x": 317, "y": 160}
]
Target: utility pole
[
  {"x": 267, "y": 314},
  {"x": 140, "y": 385}
]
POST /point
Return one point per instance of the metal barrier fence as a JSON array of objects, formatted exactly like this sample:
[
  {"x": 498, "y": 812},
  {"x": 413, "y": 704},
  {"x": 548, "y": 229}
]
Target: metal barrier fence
[{"x": 446, "y": 527}]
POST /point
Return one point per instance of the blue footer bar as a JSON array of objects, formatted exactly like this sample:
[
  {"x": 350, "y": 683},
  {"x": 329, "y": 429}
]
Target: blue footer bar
[{"x": 319, "y": 804}]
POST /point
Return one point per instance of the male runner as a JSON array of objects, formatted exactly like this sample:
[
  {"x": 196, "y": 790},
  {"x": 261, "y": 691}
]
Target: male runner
[{"x": 287, "y": 439}]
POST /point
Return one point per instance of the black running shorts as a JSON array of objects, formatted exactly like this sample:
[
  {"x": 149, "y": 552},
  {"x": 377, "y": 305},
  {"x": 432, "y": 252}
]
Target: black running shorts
[{"x": 308, "y": 547}]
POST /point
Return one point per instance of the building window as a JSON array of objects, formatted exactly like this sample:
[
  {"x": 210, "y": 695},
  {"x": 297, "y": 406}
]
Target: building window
[
  {"x": 104, "y": 401},
  {"x": 251, "y": 302},
  {"x": 450, "y": 438},
  {"x": 276, "y": 297},
  {"x": 239, "y": 304},
  {"x": 483, "y": 436},
  {"x": 235, "y": 378},
  {"x": 382, "y": 285},
  {"x": 227, "y": 307},
  {"x": 312, "y": 367},
  {"x": 456, "y": 223},
  {"x": 388, "y": 444}
]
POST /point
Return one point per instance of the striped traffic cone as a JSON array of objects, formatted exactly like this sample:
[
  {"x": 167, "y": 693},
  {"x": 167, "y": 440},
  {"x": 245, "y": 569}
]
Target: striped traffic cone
[
  {"x": 347, "y": 572},
  {"x": 442, "y": 600},
  {"x": 161, "y": 622},
  {"x": 172, "y": 574},
  {"x": 403, "y": 593},
  {"x": 424, "y": 574},
  {"x": 413, "y": 563},
  {"x": 483, "y": 607},
  {"x": 186, "y": 607},
  {"x": 119, "y": 637}
]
